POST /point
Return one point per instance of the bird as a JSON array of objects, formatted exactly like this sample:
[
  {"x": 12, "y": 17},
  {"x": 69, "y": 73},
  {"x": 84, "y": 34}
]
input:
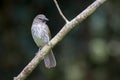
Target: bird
[{"x": 41, "y": 36}]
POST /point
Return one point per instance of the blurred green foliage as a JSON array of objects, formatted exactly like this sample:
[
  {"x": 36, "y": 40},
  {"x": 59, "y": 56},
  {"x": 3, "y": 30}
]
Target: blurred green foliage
[{"x": 91, "y": 51}]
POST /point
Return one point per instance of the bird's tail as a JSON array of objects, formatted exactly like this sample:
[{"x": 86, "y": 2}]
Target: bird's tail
[{"x": 49, "y": 60}]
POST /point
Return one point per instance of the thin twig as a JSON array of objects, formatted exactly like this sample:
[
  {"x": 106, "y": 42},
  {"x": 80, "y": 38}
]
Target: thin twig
[
  {"x": 60, "y": 35},
  {"x": 66, "y": 20}
]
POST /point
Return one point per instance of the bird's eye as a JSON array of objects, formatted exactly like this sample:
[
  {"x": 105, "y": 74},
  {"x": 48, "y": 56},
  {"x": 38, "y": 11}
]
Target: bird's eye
[{"x": 39, "y": 18}]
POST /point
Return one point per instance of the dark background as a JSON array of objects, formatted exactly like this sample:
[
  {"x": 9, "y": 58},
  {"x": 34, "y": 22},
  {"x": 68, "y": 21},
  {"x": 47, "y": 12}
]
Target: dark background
[{"x": 91, "y": 51}]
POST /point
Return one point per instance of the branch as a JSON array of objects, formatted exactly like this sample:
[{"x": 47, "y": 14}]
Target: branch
[
  {"x": 60, "y": 11},
  {"x": 62, "y": 33}
]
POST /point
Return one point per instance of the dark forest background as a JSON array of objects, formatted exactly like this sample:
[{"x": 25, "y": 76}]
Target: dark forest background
[{"x": 91, "y": 51}]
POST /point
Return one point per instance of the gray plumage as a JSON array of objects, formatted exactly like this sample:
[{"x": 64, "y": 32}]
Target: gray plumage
[{"x": 41, "y": 35}]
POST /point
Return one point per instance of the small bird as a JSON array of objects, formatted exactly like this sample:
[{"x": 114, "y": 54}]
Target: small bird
[{"x": 41, "y": 35}]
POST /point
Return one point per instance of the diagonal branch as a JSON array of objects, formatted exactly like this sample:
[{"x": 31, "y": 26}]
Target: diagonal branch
[
  {"x": 61, "y": 34},
  {"x": 60, "y": 11}
]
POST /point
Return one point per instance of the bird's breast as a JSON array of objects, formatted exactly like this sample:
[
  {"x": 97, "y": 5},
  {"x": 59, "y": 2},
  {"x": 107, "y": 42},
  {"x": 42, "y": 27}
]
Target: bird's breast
[{"x": 40, "y": 35}]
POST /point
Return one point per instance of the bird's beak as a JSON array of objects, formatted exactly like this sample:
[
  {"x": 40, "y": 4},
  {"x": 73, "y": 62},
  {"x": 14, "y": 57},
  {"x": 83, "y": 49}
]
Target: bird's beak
[{"x": 46, "y": 19}]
